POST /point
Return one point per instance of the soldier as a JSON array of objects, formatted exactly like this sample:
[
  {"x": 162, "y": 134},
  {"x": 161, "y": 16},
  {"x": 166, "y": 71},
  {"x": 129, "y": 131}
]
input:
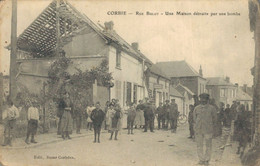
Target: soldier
[
  {"x": 159, "y": 113},
  {"x": 148, "y": 116},
  {"x": 166, "y": 109},
  {"x": 204, "y": 116},
  {"x": 173, "y": 115}
]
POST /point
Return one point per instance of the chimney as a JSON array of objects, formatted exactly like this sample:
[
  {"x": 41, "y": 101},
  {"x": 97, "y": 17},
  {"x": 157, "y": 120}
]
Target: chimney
[
  {"x": 135, "y": 45},
  {"x": 228, "y": 79},
  {"x": 200, "y": 71},
  {"x": 245, "y": 88},
  {"x": 109, "y": 26}
]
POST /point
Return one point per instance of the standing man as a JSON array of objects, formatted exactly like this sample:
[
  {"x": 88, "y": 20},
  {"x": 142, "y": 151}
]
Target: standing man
[
  {"x": 97, "y": 116},
  {"x": 166, "y": 108},
  {"x": 159, "y": 112},
  {"x": 173, "y": 115},
  {"x": 33, "y": 119},
  {"x": 204, "y": 116},
  {"x": 9, "y": 116},
  {"x": 148, "y": 116}
]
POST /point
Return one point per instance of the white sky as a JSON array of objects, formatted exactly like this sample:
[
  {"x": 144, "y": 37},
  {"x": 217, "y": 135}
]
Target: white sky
[{"x": 223, "y": 45}]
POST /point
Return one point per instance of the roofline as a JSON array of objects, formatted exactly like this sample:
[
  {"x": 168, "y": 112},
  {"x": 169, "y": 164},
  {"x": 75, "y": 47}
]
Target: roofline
[{"x": 160, "y": 75}]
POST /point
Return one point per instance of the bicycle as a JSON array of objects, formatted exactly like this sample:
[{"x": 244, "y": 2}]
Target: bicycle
[{"x": 182, "y": 119}]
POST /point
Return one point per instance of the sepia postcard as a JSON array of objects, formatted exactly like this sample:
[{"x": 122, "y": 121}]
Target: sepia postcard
[{"x": 129, "y": 83}]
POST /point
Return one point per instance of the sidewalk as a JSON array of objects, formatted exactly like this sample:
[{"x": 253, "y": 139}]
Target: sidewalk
[{"x": 43, "y": 139}]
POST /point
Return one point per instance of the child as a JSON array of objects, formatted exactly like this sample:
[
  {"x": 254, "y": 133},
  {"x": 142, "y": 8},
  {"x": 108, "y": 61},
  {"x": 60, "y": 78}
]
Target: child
[
  {"x": 97, "y": 116},
  {"x": 131, "y": 113}
]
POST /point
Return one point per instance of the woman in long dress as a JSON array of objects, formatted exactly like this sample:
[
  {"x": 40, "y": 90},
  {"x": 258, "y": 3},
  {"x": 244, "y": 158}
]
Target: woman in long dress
[
  {"x": 66, "y": 120},
  {"x": 110, "y": 113},
  {"x": 115, "y": 123}
]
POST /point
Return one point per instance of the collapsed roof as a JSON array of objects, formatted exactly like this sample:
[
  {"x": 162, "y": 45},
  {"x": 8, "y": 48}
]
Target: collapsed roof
[{"x": 40, "y": 38}]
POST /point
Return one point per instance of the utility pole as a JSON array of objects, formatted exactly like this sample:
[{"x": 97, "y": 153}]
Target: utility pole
[{"x": 13, "y": 67}]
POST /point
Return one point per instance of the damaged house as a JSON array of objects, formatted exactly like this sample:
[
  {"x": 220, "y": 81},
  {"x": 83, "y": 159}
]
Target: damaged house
[{"x": 86, "y": 45}]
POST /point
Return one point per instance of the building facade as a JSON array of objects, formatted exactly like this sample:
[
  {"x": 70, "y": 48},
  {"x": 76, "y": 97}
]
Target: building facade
[
  {"x": 86, "y": 45},
  {"x": 181, "y": 72},
  {"x": 158, "y": 84},
  {"x": 221, "y": 89}
]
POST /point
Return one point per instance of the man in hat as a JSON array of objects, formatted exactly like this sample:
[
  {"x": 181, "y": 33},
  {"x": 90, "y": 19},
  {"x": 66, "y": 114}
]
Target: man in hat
[
  {"x": 204, "y": 117},
  {"x": 173, "y": 115},
  {"x": 148, "y": 116},
  {"x": 33, "y": 118},
  {"x": 166, "y": 109}
]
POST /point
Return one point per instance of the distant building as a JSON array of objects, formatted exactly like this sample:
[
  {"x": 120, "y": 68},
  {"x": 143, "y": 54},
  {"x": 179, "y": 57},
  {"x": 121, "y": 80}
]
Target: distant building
[
  {"x": 244, "y": 98},
  {"x": 187, "y": 97},
  {"x": 158, "y": 84},
  {"x": 181, "y": 72},
  {"x": 221, "y": 89}
]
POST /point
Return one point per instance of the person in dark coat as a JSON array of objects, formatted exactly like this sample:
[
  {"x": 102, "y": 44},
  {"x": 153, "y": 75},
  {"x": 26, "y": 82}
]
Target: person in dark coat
[
  {"x": 131, "y": 114},
  {"x": 191, "y": 121},
  {"x": 166, "y": 109},
  {"x": 97, "y": 116},
  {"x": 243, "y": 129},
  {"x": 148, "y": 116},
  {"x": 159, "y": 112},
  {"x": 173, "y": 115}
]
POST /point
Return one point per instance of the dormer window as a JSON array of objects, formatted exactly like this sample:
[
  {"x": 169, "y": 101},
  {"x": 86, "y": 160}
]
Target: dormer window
[{"x": 118, "y": 58}]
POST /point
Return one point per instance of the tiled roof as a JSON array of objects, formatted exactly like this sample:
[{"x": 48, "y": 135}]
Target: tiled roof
[
  {"x": 181, "y": 88},
  {"x": 218, "y": 81},
  {"x": 177, "y": 69},
  {"x": 156, "y": 70},
  {"x": 243, "y": 96},
  {"x": 175, "y": 92}
]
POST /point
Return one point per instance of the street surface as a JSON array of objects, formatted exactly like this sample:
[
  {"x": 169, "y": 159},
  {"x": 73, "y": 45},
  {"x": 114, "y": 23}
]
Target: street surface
[{"x": 161, "y": 148}]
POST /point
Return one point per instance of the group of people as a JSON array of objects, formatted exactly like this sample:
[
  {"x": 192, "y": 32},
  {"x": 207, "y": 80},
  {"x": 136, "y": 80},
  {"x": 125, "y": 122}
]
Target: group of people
[
  {"x": 10, "y": 116},
  {"x": 207, "y": 120}
]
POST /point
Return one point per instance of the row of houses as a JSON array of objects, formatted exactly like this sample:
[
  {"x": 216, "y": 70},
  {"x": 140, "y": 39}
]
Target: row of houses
[{"x": 134, "y": 75}]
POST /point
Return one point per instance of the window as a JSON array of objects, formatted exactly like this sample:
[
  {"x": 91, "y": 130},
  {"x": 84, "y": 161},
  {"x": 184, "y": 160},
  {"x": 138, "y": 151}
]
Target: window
[
  {"x": 135, "y": 93},
  {"x": 118, "y": 58},
  {"x": 128, "y": 92},
  {"x": 222, "y": 92}
]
